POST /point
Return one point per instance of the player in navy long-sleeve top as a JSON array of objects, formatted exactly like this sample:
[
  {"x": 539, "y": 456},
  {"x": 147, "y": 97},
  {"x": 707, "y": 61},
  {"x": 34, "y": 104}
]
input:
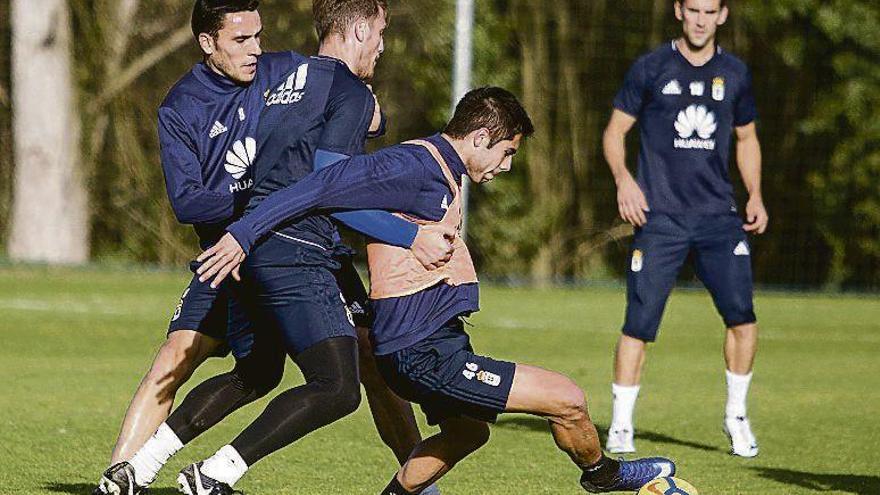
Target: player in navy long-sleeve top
[
  {"x": 317, "y": 108},
  {"x": 207, "y": 124},
  {"x": 208, "y": 129},
  {"x": 423, "y": 351}
]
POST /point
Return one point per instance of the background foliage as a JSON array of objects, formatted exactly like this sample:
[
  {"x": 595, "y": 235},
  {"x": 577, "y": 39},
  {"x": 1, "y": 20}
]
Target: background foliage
[{"x": 816, "y": 73}]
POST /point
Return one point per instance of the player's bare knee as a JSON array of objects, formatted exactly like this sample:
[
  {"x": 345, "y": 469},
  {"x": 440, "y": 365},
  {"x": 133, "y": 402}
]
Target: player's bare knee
[
  {"x": 571, "y": 403},
  {"x": 174, "y": 363}
]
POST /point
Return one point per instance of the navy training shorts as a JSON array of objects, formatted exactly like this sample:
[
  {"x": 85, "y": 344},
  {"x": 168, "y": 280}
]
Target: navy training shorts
[
  {"x": 443, "y": 375},
  {"x": 354, "y": 292},
  {"x": 207, "y": 310},
  {"x": 289, "y": 290},
  {"x": 722, "y": 256}
]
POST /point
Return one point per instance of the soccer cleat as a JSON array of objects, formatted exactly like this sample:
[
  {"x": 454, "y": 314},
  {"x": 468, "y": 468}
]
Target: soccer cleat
[
  {"x": 118, "y": 479},
  {"x": 193, "y": 482},
  {"x": 620, "y": 441},
  {"x": 742, "y": 441},
  {"x": 633, "y": 475}
]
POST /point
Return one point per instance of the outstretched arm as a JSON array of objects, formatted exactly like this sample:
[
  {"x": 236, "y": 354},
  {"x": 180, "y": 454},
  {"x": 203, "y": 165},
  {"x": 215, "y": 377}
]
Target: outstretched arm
[
  {"x": 378, "y": 224},
  {"x": 386, "y": 180}
]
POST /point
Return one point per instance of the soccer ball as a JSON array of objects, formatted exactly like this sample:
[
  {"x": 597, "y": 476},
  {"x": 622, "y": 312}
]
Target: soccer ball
[{"x": 668, "y": 486}]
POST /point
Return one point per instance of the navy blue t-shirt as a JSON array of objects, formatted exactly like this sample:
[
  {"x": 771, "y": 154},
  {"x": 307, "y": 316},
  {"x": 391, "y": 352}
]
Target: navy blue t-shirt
[
  {"x": 404, "y": 178},
  {"x": 207, "y": 131},
  {"x": 686, "y": 116},
  {"x": 319, "y": 110}
]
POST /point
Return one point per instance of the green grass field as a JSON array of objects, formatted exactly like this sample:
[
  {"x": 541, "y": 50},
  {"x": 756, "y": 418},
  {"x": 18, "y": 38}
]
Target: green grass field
[{"x": 76, "y": 342}]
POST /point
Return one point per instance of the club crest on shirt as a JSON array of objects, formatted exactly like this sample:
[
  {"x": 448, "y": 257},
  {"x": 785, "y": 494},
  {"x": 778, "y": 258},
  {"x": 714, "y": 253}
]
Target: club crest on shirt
[
  {"x": 488, "y": 378},
  {"x": 718, "y": 89}
]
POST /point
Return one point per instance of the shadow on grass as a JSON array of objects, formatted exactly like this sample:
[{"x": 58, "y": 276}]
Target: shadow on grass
[
  {"x": 531, "y": 423},
  {"x": 858, "y": 484},
  {"x": 86, "y": 489}
]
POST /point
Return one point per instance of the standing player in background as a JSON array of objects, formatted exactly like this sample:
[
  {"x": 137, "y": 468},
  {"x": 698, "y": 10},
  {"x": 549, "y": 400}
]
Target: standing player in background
[
  {"x": 689, "y": 96},
  {"x": 207, "y": 129},
  {"x": 422, "y": 348}
]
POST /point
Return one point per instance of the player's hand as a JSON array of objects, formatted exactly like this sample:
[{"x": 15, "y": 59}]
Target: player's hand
[
  {"x": 631, "y": 202},
  {"x": 433, "y": 245},
  {"x": 756, "y": 216},
  {"x": 220, "y": 260},
  {"x": 376, "y": 123}
]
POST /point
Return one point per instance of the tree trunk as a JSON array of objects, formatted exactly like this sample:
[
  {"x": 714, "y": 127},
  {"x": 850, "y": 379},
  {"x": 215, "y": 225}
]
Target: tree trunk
[
  {"x": 49, "y": 211},
  {"x": 536, "y": 79}
]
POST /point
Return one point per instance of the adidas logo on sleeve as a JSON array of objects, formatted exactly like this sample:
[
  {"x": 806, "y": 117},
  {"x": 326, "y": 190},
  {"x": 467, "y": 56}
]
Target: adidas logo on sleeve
[{"x": 217, "y": 129}]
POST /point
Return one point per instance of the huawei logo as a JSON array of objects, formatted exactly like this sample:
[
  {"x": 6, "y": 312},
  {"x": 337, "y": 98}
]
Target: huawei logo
[
  {"x": 695, "y": 119},
  {"x": 240, "y": 157}
]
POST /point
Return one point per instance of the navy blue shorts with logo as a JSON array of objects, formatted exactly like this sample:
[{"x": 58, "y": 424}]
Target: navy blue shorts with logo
[
  {"x": 722, "y": 257},
  {"x": 443, "y": 375},
  {"x": 354, "y": 292},
  {"x": 206, "y": 310},
  {"x": 290, "y": 290}
]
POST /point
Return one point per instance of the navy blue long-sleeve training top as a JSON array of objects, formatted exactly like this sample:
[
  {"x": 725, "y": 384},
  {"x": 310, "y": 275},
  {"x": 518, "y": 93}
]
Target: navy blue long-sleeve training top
[
  {"x": 318, "y": 114},
  {"x": 207, "y": 136},
  {"x": 402, "y": 178}
]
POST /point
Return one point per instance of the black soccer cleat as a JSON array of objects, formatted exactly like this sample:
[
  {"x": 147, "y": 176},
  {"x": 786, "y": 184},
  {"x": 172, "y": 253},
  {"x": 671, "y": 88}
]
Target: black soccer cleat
[
  {"x": 193, "y": 482},
  {"x": 633, "y": 475},
  {"x": 118, "y": 479}
]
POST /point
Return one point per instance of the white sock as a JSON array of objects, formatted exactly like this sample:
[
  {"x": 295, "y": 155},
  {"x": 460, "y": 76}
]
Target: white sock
[
  {"x": 154, "y": 454},
  {"x": 623, "y": 406},
  {"x": 226, "y": 466},
  {"x": 737, "y": 391}
]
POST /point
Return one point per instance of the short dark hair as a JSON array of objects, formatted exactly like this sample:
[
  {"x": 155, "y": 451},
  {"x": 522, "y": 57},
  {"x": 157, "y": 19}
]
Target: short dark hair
[
  {"x": 494, "y": 108},
  {"x": 207, "y": 16},
  {"x": 723, "y": 2},
  {"x": 334, "y": 16}
]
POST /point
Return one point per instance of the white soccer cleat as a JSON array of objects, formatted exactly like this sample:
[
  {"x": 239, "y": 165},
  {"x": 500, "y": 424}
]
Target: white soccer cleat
[
  {"x": 620, "y": 440},
  {"x": 742, "y": 440}
]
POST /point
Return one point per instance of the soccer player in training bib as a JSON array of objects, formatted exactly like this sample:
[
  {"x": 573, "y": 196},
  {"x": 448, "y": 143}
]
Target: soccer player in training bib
[
  {"x": 689, "y": 97},
  {"x": 422, "y": 348}
]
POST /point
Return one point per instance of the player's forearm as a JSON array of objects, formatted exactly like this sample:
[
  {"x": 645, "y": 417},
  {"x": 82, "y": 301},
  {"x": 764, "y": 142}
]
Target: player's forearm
[
  {"x": 194, "y": 205},
  {"x": 380, "y": 225},
  {"x": 614, "y": 148},
  {"x": 748, "y": 159},
  {"x": 344, "y": 185}
]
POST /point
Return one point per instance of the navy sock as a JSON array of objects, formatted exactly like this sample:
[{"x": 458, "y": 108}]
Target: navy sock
[
  {"x": 603, "y": 472},
  {"x": 394, "y": 488}
]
